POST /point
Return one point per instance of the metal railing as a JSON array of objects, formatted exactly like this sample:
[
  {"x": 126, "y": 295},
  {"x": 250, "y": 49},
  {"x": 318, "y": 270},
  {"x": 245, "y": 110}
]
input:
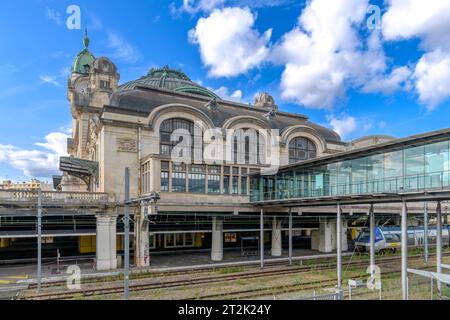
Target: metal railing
[{"x": 412, "y": 183}]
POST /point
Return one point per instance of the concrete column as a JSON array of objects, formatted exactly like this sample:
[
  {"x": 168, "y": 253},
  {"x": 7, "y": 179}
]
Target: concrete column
[
  {"x": 404, "y": 251},
  {"x": 217, "y": 239},
  {"x": 344, "y": 235},
  {"x": 276, "y": 238},
  {"x": 439, "y": 246},
  {"x": 142, "y": 254},
  {"x": 325, "y": 242},
  {"x": 261, "y": 238},
  {"x": 339, "y": 247},
  {"x": 106, "y": 242}
]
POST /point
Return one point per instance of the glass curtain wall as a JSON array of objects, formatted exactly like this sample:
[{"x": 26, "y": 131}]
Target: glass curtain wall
[{"x": 426, "y": 166}]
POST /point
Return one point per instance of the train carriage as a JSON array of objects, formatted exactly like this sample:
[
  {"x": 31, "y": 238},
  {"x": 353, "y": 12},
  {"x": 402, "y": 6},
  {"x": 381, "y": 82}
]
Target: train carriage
[{"x": 389, "y": 238}]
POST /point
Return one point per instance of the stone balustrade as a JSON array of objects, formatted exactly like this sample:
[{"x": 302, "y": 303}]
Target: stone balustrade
[{"x": 55, "y": 197}]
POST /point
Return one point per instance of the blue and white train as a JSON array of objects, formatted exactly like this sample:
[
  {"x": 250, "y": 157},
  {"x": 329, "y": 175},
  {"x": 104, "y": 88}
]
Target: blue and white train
[{"x": 389, "y": 238}]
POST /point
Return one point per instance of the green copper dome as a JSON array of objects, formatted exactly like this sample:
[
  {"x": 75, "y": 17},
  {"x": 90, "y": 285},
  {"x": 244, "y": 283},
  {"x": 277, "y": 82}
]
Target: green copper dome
[
  {"x": 84, "y": 59},
  {"x": 170, "y": 79}
]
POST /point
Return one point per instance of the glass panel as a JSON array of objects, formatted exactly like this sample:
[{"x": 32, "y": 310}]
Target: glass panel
[
  {"x": 393, "y": 171},
  {"x": 243, "y": 185},
  {"x": 213, "y": 183},
  {"x": 164, "y": 181},
  {"x": 235, "y": 185},
  {"x": 226, "y": 184},
  {"x": 437, "y": 165},
  {"x": 344, "y": 177},
  {"x": 414, "y": 168},
  {"x": 192, "y": 138},
  {"x": 301, "y": 149},
  {"x": 197, "y": 183},
  {"x": 178, "y": 182}
]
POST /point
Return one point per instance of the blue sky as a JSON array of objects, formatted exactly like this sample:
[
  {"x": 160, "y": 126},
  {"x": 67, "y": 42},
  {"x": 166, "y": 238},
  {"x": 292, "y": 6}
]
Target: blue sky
[{"x": 316, "y": 58}]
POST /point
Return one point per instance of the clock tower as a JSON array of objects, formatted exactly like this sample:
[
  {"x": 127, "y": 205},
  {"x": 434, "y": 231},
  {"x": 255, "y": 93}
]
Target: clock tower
[{"x": 92, "y": 81}]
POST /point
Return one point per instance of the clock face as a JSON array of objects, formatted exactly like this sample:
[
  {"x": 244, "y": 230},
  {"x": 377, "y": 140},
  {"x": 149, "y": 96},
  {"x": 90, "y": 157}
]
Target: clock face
[{"x": 83, "y": 87}]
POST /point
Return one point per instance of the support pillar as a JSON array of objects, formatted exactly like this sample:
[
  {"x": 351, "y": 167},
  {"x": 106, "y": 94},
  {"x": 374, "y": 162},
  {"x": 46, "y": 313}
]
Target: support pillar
[
  {"x": 344, "y": 235},
  {"x": 141, "y": 234},
  {"x": 372, "y": 238},
  {"x": 404, "y": 250},
  {"x": 106, "y": 242},
  {"x": 325, "y": 242},
  {"x": 276, "y": 238},
  {"x": 290, "y": 237},
  {"x": 217, "y": 239},
  {"x": 261, "y": 238},
  {"x": 439, "y": 246},
  {"x": 339, "y": 248}
]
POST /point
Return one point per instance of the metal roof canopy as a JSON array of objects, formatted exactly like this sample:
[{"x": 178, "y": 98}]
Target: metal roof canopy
[
  {"x": 374, "y": 198},
  {"x": 80, "y": 168}
]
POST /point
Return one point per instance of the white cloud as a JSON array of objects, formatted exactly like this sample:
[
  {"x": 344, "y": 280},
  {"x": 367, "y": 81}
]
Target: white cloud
[
  {"x": 224, "y": 93},
  {"x": 54, "y": 16},
  {"x": 195, "y": 6},
  {"x": 430, "y": 22},
  {"x": 229, "y": 45},
  {"x": 36, "y": 163},
  {"x": 432, "y": 77},
  {"x": 398, "y": 79},
  {"x": 324, "y": 54},
  {"x": 122, "y": 50},
  {"x": 343, "y": 125},
  {"x": 49, "y": 79}
]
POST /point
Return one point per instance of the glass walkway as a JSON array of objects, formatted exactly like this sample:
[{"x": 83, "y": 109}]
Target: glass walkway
[{"x": 413, "y": 164}]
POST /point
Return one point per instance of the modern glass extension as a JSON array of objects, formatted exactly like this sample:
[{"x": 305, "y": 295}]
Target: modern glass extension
[{"x": 413, "y": 164}]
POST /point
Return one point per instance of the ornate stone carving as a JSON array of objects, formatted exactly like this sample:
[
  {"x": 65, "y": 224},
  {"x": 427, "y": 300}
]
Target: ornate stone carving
[
  {"x": 266, "y": 101},
  {"x": 127, "y": 145}
]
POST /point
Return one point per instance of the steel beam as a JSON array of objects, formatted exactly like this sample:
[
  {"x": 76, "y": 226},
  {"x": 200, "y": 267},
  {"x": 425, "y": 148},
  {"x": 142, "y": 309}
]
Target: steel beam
[
  {"x": 339, "y": 248},
  {"x": 290, "y": 237},
  {"x": 372, "y": 238},
  {"x": 127, "y": 235},
  {"x": 39, "y": 243},
  {"x": 404, "y": 250},
  {"x": 425, "y": 232}
]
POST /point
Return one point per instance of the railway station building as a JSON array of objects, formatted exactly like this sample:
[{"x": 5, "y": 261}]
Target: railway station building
[{"x": 218, "y": 166}]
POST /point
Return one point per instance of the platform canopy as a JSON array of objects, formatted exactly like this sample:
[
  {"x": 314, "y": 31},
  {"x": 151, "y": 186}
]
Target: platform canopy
[{"x": 85, "y": 170}]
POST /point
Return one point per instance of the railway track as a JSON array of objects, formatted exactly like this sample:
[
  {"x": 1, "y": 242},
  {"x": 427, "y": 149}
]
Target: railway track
[
  {"x": 102, "y": 291},
  {"x": 284, "y": 289}
]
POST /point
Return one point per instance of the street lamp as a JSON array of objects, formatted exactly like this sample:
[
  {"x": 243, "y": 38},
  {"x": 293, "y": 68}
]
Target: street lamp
[{"x": 150, "y": 208}]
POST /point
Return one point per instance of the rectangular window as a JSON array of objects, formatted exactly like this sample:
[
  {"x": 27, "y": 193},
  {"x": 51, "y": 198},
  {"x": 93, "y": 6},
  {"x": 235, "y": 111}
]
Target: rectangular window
[
  {"x": 235, "y": 185},
  {"x": 244, "y": 185},
  {"x": 164, "y": 176},
  {"x": 213, "y": 179},
  {"x": 104, "y": 84},
  {"x": 226, "y": 184},
  {"x": 197, "y": 179},
  {"x": 179, "y": 178}
]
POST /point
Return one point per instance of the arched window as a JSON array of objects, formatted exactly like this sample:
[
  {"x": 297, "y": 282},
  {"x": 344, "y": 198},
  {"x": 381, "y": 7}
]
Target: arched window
[
  {"x": 182, "y": 134},
  {"x": 301, "y": 149},
  {"x": 248, "y": 147}
]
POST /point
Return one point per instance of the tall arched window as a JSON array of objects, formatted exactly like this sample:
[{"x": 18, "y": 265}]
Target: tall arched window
[
  {"x": 184, "y": 135},
  {"x": 301, "y": 149},
  {"x": 248, "y": 147}
]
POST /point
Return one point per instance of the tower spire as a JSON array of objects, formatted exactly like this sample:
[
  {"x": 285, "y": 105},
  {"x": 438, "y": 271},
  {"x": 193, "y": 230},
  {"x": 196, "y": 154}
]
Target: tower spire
[{"x": 86, "y": 39}]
